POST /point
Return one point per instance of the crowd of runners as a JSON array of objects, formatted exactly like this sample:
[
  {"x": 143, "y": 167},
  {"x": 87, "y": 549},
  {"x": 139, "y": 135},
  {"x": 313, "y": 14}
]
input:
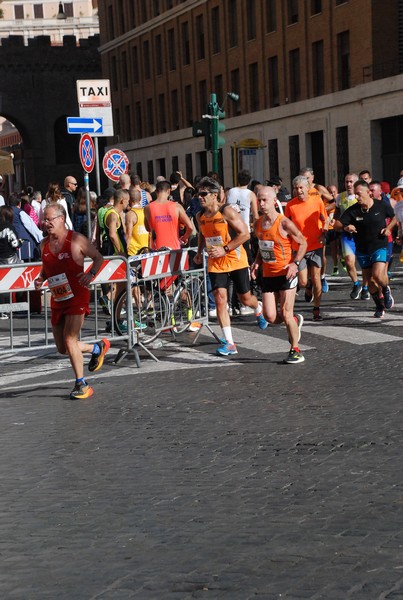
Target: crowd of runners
[{"x": 263, "y": 246}]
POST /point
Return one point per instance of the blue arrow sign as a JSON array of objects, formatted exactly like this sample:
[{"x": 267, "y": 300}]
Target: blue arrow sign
[{"x": 84, "y": 125}]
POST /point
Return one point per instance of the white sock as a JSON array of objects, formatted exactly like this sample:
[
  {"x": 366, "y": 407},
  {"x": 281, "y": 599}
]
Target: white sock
[
  {"x": 227, "y": 333},
  {"x": 258, "y": 309}
]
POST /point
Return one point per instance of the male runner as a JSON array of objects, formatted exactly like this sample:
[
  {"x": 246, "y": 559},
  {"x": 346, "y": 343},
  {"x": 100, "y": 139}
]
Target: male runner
[
  {"x": 63, "y": 253},
  {"x": 223, "y": 232},
  {"x": 280, "y": 269},
  {"x": 366, "y": 221}
]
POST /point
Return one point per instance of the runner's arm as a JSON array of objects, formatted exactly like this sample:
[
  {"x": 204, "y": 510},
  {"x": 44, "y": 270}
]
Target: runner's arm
[
  {"x": 130, "y": 222},
  {"x": 201, "y": 244},
  {"x": 186, "y": 222},
  {"x": 112, "y": 224}
]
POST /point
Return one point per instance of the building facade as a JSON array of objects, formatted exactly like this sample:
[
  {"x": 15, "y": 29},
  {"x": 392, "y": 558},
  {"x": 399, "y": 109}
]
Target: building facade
[
  {"x": 320, "y": 83},
  {"x": 31, "y": 18}
]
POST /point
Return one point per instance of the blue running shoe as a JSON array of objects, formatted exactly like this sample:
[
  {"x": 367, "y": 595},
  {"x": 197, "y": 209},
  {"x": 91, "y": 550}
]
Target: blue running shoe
[
  {"x": 387, "y": 297},
  {"x": 325, "y": 286},
  {"x": 226, "y": 349}
]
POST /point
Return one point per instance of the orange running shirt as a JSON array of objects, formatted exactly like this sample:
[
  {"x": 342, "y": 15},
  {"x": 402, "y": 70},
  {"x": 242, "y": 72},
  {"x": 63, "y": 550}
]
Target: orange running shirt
[
  {"x": 165, "y": 223},
  {"x": 275, "y": 249},
  {"x": 310, "y": 217},
  {"x": 216, "y": 233}
]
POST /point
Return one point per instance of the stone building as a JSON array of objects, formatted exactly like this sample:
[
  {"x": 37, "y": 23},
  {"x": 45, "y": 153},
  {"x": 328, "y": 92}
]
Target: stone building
[{"x": 319, "y": 81}]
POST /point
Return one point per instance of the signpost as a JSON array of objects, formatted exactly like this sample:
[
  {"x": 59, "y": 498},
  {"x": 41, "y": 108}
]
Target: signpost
[
  {"x": 85, "y": 125},
  {"x": 87, "y": 157},
  {"x": 115, "y": 164}
]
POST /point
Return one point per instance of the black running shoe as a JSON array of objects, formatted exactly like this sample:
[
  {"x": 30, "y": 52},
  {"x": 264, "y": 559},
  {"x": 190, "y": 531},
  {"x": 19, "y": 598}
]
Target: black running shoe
[
  {"x": 388, "y": 298},
  {"x": 308, "y": 292},
  {"x": 97, "y": 360},
  {"x": 81, "y": 390},
  {"x": 356, "y": 291},
  {"x": 379, "y": 313},
  {"x": 316, "y": 315},
  {"x": 294, "y": 357}
]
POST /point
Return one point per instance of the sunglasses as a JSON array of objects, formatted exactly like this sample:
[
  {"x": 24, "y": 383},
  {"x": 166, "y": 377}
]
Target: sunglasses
[{"x": 204, "y": 194}]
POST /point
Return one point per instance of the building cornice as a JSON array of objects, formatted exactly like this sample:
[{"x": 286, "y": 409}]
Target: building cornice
[{"x": 151, "y": 24}]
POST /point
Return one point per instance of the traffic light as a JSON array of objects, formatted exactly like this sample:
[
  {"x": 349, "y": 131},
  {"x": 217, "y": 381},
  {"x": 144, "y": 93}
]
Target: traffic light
[{"x": 203, "y": 128}]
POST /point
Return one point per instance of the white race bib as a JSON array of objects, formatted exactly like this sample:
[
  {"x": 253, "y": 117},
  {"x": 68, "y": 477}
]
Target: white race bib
[
  {"x": 214, "y": 241},
  {"x": 266, "y": 248},
  {"x": 60, "y": 288}
]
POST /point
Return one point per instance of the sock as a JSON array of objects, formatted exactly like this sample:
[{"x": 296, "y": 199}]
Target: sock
[
  {"x": 81, "y": 380},
  {"x": 258, "y": 309},
  {"x": 364, "y": 287},
  {"x": 356, "y": 283},
  {"x": 295, "y": 348},
  {"x": 228, "y": 335},
  {"x": 378, "y": 303},
  {"x": 96, "y": 350}
]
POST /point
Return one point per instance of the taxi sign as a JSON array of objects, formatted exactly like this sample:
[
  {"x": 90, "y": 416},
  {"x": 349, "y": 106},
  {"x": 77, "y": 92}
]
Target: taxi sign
[
  {"x": 115, "y": 164},
  {"x": 87, "y": 152}
]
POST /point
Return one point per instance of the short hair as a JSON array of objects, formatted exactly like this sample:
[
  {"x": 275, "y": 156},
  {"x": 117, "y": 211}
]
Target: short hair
[
  {"x": 174, "y": 178},
  {"x": 37, "y": 194},
  {"x": 243, "y": 177},
  {"x": 306, "y": 170},
  {"x": 364, "y": 172},
  {"x": 299, "y": 179},
  {"x": 109, "y": 193},
  {"x": 361, "y": 182},
  {"x": 14, "y": 199},
  {"x": 6, "y": 215},
  {"x": 209, "y": 183},
  {"x": 135, "y": 180},
  {"x": 119, "y": 195},
  {"x": 59, "y": 208},
  {"x": 162, "y": 186}
]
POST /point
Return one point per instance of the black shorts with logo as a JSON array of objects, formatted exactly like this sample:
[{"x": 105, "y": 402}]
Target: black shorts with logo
[{"x": 240, "y": 278}]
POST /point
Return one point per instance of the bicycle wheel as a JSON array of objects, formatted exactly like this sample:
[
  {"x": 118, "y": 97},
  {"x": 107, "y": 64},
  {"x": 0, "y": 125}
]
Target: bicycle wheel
[
  {"x": 150, "y": 312},
  {"x": 187, "y": 302}
]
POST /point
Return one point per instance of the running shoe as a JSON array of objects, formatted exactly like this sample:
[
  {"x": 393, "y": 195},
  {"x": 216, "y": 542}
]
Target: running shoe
[
  {"x": 300, "y": 321},
  {"x": 212, "y": 313},
  {"x": 261, "y": 321},
  {"x": 97, "y": 360},
  {"x": 365, "y": 295},
  {"x": 379, "y": 313},
  {"x": 335, "y": 271},
  {"x": 194, "y": 326},
  {"x": 343, "y": 264},
  {"x": 226, "y": 349},
  {"x": 308, "y": 292},
  {"x": 294, "y": 357},
  {"x": 81, "y": 390},
  {"x": 246, "y": 310},
  {"x": 3, "y": 316},
  {"x": 105, "y": 304},
  {"x": 316, "y": 314},
  {"x": 325, "y": 286},
  {"x": 388, "y": 298},
  {"x": 356, "y": 291}
]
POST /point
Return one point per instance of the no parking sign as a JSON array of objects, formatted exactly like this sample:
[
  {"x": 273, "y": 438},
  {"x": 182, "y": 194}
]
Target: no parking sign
[
  {"x": 115, "y": 164},
  {"x": 87, "y": 152}
]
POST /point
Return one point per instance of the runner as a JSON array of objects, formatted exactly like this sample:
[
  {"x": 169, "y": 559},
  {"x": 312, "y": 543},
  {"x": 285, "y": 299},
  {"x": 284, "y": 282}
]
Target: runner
[
  {"x": 365, "y": 220},
  {"x": 63, "y": 253},
  {"x": 280, "y": 269},
  {"x": 223, "y": 232}
]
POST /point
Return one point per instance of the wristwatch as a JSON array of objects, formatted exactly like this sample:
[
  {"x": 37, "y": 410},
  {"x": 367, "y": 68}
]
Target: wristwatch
[
  {"x": 297, "y": 262},
  {"x": 226, "y": 248},
  {"x": 93, "y": 272}
]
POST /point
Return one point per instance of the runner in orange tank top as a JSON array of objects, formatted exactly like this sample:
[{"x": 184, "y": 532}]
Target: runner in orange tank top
[
  {"x": 63, "y": 253},
  {"x": 280, "y": 268},
  {"x": 222, "y": 233}
]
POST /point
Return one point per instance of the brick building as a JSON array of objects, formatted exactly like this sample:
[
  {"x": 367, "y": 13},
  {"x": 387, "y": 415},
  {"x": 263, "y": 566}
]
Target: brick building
[{"x": 319, "y": 81}]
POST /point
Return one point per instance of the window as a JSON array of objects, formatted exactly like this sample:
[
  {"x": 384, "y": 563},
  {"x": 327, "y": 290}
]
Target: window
[
  {"x": 271, "y": 16},
  {"x": 201, "y": 53},
  {"x": 175, "y": 109},
  {"x": 150, "y": 116},
  {"x": 150, "y": 170},
  {"x": 139, "y": 122},
  {"x": 143, "y": 8},
  {"x": 139, "y": 170},
  {"x": 295, "y": 81},
  {"x": 232, "y": 22},
  {"x": 162, "y": 113},
  {"x": 38, "y": 11},
  {"x": 135, "y": 65},
  {"x": 158, "y": 55},
  {"x": 202, "y": 96},
  {"x": 19, "y": 11},
  {"x": 235, "y": 107},
  {"x": 316, "y": 7},
  {"x": 156, "y": 8},
  {"x": 111, "y": 26},
  {"x": 128, "y": 123},
  {"x": 188, "y": 106},
  {"x": 161, "y": 167},
  {"x": 338, "y": 2},
  {"x": 189, "y": 167},
  {"x": 146, "y": 59},
  {"x": 171, "y": 50},
  {"x": 117, "y": 122},
  {"x": 216, "y": 30},
  {"x": 343, "y": 60},
  {"x": 274, "y": 91},
  {"x": 318, "y": 68},
  {"x": 343, "y": 162},
  {"x": 185, "y": 44},
  {"x": 273, "y": 157},
  {"x": 125, "y": 75},
  {"x": 121, "y": 17},
  {"x": 218, "y": 88},
  {"x": 293, "y": 146},
  {"x": 292, "y": 11},
  {"x": 254, "y": 87},
  {"x": 251, "y": 20},
  {"x": 175, "y": 164},
  {"x": 68, "y": 10},
  {"x": 114, "y": 73}
]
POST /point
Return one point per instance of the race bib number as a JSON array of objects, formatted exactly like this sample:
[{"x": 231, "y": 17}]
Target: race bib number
[
  {"x": 214, "y": 241},
  {"x": 266, "y": 248},
  {"x": 60, "y": 288}
]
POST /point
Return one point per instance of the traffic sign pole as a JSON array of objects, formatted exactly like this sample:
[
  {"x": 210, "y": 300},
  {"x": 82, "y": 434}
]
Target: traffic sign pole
[
  {"x": 97, "y": 171},
  {"x": 88, "y": 203}
]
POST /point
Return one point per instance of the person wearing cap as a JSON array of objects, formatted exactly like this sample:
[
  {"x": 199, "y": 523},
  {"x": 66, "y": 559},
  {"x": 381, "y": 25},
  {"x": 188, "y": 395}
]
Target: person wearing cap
[
  {"x": 283, "y": 195},
  {"x": 397, "y": 192},
  {"x": 222, "y": 232}
]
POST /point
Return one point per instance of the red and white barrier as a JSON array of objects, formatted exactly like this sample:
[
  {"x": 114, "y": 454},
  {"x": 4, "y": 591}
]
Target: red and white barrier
[{"x": 165, "y": 263}]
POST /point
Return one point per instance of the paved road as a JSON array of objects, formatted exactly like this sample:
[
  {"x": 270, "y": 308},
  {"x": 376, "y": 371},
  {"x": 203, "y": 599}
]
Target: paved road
[{"x": 180, "y": 481}]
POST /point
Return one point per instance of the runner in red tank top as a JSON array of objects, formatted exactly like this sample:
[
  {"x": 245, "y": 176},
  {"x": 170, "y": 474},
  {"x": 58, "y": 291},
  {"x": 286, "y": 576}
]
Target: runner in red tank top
[{"x": 63, "y": 253}]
